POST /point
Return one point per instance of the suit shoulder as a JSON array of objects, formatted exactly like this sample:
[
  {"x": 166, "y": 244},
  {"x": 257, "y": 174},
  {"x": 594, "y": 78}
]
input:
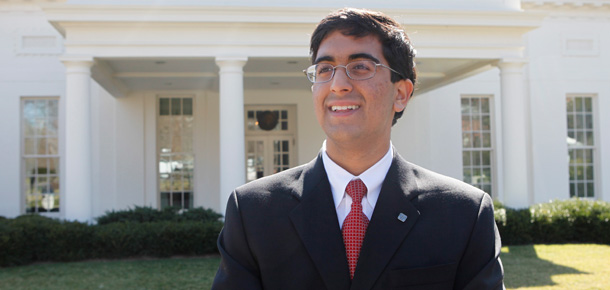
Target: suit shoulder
[
  {"x": 281, "y": 181},
  {"x": 430, "y": 182}
]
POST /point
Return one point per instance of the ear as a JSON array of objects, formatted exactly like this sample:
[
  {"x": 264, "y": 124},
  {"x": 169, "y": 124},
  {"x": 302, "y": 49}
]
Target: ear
[{"x": 404, "y": 89}]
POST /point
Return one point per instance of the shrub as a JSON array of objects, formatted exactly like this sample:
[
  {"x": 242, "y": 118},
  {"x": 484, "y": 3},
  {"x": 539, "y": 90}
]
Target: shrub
[
  {"x": 567, "y": 221},
  {"x": 148, "y": 214},
  {"x": 132, "y": 233}
]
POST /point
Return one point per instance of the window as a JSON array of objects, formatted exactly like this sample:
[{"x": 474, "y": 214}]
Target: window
[
  {"x": 40, "y": 156},
  {"x": 176, "y": 157},
  {"x": 477, "y": 152},
  {"x": 581, "y": 146}
]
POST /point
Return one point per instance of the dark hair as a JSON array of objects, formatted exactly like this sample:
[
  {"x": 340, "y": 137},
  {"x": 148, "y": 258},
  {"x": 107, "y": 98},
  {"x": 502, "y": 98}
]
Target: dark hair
[{"x": 396, "y": 45}]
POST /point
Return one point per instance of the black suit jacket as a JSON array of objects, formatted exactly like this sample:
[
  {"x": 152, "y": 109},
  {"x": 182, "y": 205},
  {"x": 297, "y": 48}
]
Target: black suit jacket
[{"x": 282, "y": 232}]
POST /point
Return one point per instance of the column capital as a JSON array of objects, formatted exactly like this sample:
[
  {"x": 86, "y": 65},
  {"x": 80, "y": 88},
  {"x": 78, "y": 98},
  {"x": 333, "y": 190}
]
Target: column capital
[
  {"x": 231, "y": 61},
  {"x": 77, "y": 60},
  {"x": 508, "y": 63}
]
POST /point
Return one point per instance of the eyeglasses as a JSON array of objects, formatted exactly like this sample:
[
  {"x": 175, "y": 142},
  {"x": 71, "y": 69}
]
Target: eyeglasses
[{"x": 356, "y": 70}]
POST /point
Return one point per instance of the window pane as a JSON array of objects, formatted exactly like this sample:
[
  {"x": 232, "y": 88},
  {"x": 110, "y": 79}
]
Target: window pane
[
  {"x": 476, "y": 140},
  {"x": 466, "y": 123},
  {"x": 165, "y": 199},
  {"x": 466, "y": 140},
  {"x": 476, "y": 158},
  {"x": 484, "y": 105},
  {"x": 486, "y": 175},
  {"x": 186, "y": 182},
  {"x": 29, "y": 146},
  {"x": 465, "y": 106},
  {"x": 580, "y": 188},
  {"x": 53, "y": 165},
  {"x": 188, "y": 200},
  {"x": 486, "y": 140},
  {"x": 175, "y": 106},
  {"x": 41, "y": 109},
  {"x": 570, "y": 121},
  {"x": 589, "y": 121},
  {"x": 164, "y": 182},
  {"x": 42, "y": 166},
  {"x": 589, "y": 136},
  {"x": 590, "y": 189},
  {"x": 187, "y": 104},
  {"x": 52, "y": 146},
  {"x": 570, "y": 105},
  {"x": 42, "y": 146},
  {"x": 177, "y": 199},
  {"x": 588, "y": 105},
  {"x": 578, "y": 102},
  {"x": 52, "y": 110},
  {"x": 589, "y": 172},
  {"x": 466, "y": 158},
  {"x": 467, "y": 175},
  {"x": 474, "y": 106},
  {"x": 164, "y": 106},
  {"x": 52, "y": 126},
  {"x": 486, "y": 123},
  {"x": 486, "y": 158}
]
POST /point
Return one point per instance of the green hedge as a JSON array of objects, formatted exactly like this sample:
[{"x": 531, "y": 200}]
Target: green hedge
[
  {"x": 148, "y": 232},
  {"x": 567, "y": 221},
  {"x": 32, "y": 238},
  {"x": 148, "y": 214}
]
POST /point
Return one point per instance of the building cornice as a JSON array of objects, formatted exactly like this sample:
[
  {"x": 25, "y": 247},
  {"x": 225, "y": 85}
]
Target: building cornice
[
  {"x": 566, "y": 5},
  {"x": 60, "y": 15},
  {"x": 31, "y": 2}
]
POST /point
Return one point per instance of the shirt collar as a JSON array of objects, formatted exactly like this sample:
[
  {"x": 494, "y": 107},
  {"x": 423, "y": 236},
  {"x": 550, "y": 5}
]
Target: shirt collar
[{"x": 373, "y": 177}]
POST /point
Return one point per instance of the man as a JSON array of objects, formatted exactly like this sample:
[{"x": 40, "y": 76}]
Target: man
[{"x": 359, "y": 216}]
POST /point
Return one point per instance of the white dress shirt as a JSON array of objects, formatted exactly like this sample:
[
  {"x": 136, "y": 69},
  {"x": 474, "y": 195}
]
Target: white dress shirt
[{"x": 339, "y": 178}]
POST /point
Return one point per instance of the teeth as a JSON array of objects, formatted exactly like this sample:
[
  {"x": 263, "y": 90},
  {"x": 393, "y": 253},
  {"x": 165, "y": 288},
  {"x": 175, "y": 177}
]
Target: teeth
[{"x": 343, "y": 108}]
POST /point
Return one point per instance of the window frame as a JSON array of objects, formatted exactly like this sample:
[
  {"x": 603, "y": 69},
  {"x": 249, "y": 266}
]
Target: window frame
[
  {"x": 193, "y": 97},
  {"x": 597, "y": 194},
  {"x": 23, "y": 157},
  {"x": 492, "y": 149}
]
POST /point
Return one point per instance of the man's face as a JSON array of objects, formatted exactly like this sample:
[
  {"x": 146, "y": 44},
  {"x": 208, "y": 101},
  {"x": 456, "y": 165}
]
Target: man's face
[{"x": 358, "y": 112}]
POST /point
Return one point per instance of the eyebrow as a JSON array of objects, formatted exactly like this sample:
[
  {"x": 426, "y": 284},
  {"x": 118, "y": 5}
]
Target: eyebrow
[{"x": 351, "y": 57}]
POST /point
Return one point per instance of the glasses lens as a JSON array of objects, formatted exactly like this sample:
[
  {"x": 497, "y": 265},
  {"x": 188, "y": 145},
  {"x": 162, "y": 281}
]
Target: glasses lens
[
  {"x": 361, "y": 70},
  {"x": 323, "y": 72},
  {"x": 311, "y": 73}
]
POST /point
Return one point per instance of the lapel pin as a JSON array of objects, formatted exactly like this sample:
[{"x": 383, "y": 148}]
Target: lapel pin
[{"x": 402, "y": 217}]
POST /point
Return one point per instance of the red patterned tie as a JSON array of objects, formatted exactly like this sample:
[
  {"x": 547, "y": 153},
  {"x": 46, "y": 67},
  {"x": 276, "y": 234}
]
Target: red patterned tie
[{"x": 354, "y": 226}]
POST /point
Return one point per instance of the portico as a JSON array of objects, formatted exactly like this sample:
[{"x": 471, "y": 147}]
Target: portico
[{"x": 227, "y": 57}]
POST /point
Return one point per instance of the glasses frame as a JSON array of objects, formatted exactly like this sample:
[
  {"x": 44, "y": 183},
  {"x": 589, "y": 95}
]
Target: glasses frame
[{"x": 347, "y": 71}]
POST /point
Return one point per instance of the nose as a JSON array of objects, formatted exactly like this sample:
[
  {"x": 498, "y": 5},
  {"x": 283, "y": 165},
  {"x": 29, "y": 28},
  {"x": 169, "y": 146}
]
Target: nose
[{"x": 340, "y": 83}]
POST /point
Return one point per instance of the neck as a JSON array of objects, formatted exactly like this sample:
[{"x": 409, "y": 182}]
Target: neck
[{"x": 356, "y": 159}]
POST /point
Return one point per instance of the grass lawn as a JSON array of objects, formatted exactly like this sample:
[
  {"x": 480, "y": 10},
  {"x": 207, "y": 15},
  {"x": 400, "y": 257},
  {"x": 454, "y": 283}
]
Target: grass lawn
[
  {"x": 537, "y": 267},
  {"x": 557, "y": 267},
  {"x": 176, "y": 273}
]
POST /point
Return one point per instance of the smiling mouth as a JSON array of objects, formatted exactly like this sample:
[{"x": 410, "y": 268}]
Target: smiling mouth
[{"x": 344, "y": 108}]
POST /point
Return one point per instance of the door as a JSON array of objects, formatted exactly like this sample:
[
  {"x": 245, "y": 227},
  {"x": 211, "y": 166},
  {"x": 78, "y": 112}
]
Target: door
[{"x": 270, "y": 140}]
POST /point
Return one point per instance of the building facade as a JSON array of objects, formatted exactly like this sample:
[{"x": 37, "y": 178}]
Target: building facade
[{"x": 114, "y": 104}]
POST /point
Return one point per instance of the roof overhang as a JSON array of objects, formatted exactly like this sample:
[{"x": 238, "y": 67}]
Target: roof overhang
[{"x": 144, "y": 46}]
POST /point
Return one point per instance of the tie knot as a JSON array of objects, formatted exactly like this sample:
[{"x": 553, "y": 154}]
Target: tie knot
[{"x": 356, "y": 189}]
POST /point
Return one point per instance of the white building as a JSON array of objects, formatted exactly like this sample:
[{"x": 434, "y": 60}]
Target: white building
[{"x": 111, "y": 104}]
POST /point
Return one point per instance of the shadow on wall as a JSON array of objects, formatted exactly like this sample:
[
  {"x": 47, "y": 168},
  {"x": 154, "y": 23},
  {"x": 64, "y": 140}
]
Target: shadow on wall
[{"x": 523, "y": 268}]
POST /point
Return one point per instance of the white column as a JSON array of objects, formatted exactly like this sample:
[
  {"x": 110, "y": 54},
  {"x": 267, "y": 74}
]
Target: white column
[
  {"x": 232, "y": 140},
  {"x": 77, "y": 101},
  {"x": 515, "y": 135}
]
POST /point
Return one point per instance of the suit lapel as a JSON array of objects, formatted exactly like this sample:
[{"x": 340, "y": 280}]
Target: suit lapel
[
  {"x": 315, "y": 220},
  {"x": 386, "y": 232}
]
